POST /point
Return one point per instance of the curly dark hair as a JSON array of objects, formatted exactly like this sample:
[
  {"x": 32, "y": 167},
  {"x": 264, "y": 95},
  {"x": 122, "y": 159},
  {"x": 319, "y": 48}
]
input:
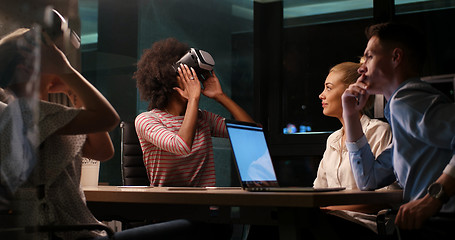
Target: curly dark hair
[{"x": 155, "y": 77}]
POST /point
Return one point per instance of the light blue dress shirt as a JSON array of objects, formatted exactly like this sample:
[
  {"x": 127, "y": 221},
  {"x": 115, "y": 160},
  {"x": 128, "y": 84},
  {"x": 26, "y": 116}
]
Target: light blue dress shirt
[{"x": 423, "y": 146}]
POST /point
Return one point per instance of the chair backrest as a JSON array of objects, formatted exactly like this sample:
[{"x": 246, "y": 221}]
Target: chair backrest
[{"x": 133, "y": 169}]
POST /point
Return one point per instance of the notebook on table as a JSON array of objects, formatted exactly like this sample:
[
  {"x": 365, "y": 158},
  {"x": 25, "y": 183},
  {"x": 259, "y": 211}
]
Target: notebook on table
[{"x": 253, "y": 161}]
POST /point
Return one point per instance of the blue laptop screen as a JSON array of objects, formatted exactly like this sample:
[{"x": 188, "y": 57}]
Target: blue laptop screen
[{"x": 251, "y": 153}]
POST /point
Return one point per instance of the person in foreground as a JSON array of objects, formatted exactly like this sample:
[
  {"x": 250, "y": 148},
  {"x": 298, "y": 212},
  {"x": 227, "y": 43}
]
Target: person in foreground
[
  {"x": 422, "y": 155},
  {"x": 51, "y": 195},
  {"x": 175, "y": 135}
]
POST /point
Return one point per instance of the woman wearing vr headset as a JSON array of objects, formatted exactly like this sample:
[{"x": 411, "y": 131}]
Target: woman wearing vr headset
[{"x": 175, "y": 134}]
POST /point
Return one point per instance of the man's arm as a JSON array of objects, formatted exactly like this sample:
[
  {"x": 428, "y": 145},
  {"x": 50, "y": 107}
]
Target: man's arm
[
  {"x": 368, "y": 173},
  {"x": 360, "y": 153}
]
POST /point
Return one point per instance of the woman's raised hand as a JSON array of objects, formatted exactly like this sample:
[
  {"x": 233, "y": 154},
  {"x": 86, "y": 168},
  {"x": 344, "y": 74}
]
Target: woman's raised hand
[
  {"x": 212, "y": 87},
  {"x": 190, "y": 87}
]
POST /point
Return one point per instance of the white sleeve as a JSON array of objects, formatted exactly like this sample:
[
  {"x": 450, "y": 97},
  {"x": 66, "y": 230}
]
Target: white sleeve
[{"x": 450, "y": 168}]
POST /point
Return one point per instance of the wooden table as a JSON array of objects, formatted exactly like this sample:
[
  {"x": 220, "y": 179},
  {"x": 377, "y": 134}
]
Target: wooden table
[{"x": 289, "y": 210}]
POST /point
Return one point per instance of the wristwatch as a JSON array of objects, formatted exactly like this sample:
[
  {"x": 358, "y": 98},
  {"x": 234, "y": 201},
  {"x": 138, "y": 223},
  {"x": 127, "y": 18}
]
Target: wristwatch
[{"x": 435, "y": 190}]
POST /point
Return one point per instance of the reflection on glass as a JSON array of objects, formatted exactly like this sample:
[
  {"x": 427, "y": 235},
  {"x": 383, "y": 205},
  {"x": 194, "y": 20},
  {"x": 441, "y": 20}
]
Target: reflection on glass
[
  {"x": 19, "y": 92},
  {"x": 317, "y": 35},
  {"x": 320, "y": 34},
  {"x": 88, "y": 11},
  {"x": 224, "y": 29},
  {"x": 26, "y": 27},
  {"x": 319, "y": 11},
  {"x": 408, "y": 6},
  {"x": 299, "y": 13}
]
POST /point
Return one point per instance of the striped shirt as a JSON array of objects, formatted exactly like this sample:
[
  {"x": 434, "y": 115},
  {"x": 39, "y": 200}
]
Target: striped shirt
[{"x": 167, "y": 157}]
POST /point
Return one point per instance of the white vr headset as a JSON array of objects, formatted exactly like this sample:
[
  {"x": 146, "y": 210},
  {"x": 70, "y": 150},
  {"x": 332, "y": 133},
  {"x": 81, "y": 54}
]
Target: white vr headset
[
  {"x": 55, "y": 26},
  {"x": 201, "y": 61}
]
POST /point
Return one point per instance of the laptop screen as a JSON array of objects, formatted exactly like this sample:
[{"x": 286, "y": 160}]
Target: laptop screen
[{"x": 251, "y": 154}]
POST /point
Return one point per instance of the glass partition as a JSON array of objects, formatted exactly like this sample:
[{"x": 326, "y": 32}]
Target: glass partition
[
  {"x": 408, "y": 6},
  {"x": 27, "y": 28},
  {"x": 222, "y": 28},
  {"x": 300, "y": 13},
  {"x": 317, "y": 36},
  {"x": 115, "y": 33},
  {"x": 321, "y": 34},
  {"x": 88, "y": 11}
]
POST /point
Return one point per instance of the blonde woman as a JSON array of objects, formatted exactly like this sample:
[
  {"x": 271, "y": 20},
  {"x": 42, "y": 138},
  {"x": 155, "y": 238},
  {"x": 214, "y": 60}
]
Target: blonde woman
[{"x": 335, "y": 168}]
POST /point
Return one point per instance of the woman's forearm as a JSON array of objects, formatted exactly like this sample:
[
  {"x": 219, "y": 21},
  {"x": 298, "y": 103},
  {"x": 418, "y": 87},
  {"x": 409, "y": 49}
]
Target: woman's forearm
[
  {"x": 98, "y": 146},
  {"x": 189, "y": 124},
  {"x": 97, "y": 114}
]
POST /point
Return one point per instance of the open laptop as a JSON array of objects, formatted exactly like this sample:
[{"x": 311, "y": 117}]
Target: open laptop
[{"x": 253, "y": 161}]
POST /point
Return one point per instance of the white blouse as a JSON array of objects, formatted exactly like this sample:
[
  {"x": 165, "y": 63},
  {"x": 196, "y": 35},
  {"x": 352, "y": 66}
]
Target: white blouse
[{"x": 335, "y": 168}]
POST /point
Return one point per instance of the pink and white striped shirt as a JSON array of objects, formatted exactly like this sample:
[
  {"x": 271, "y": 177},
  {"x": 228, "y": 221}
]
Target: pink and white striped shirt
[{"x": 167, "y": 157}]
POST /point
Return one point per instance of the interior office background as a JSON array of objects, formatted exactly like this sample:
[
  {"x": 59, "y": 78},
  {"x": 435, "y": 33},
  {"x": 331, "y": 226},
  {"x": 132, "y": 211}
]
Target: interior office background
[{"x": 271, "y": 57}]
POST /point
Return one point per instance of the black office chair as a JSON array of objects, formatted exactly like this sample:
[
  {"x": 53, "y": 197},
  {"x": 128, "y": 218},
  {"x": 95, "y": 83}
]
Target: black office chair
[
  {"x": 384, "y": 221},
  {"x": 441, "y": 219},
  {"x": 133, "y": 169}
]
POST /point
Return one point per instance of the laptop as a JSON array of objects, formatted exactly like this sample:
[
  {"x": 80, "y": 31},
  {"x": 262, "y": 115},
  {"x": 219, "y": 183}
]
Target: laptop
[{"x": 253, "y": 161}]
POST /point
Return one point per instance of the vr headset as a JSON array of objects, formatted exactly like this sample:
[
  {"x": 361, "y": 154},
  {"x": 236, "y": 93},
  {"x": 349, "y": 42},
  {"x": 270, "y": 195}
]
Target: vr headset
[
  {"x": 201, "y": 61},
  {"x": 55, "y": 26}
]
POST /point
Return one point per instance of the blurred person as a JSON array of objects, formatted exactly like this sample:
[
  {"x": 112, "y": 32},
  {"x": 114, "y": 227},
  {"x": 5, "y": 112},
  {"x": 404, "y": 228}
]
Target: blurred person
[
  {"x": 51, "y": 194},
  {"x": 48, "y": 189},
  {"x": 175, "y": 135}
]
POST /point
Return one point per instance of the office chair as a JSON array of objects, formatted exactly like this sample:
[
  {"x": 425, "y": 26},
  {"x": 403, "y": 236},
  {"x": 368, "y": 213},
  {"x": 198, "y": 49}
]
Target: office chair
[
  {"x": 384, "y": 230},
  {"x": 133, "y": 169},
  {"x": 382, "y": 221}
]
